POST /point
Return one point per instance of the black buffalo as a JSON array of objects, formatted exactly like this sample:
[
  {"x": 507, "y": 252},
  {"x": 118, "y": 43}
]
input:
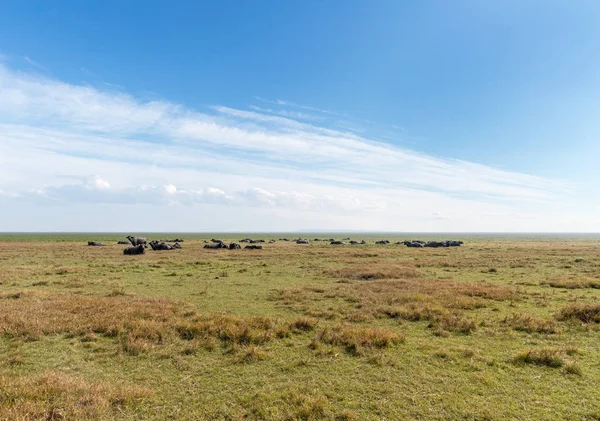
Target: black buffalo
[
  {"x": 123, "y": 242},
  {"x": 94, "y": 243},
  {"x": 215, "y": 246},
  {"x": 253, "y": 247},
  {"x": 139, "y": 249},
  {"x": 234, "y": 246},
  {"x": 300, "y": 241},
  {"x": 159, "y": 245},
  {"x": 340, "y": 243},
  {"x": 382, "y": 242},
  {"x": 136, "y": 241},
  {"x": 176, "y": 246}
]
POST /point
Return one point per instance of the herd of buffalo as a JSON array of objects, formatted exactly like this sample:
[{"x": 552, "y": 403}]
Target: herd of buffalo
[{"x": 139, "y": 244}]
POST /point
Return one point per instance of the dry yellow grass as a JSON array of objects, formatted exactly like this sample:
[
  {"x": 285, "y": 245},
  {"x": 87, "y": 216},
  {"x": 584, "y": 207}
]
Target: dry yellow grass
[{"x": 58, "y": 396}]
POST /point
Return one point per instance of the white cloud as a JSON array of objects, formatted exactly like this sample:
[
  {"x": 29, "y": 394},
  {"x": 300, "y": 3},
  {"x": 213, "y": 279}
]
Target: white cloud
[{"x": 54, "y": 134}]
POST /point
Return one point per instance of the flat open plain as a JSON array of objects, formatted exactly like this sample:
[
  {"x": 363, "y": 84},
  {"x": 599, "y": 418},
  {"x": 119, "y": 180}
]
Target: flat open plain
[{"x": 500, "y": 328}]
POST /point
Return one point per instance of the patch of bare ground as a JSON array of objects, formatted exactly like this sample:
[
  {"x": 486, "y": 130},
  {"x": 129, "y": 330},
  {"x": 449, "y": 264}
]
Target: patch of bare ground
[{"x": 58, "y": 396}]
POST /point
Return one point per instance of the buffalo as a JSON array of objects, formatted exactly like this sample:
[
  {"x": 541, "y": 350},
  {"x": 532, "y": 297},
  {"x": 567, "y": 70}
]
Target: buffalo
[
  {"x": 94, "y": 243},
  {"x": 216, "y": 241},
  {"x": 215, "y": 246},
  {"x": 123, "y": 242},
  {"x": 176, "y": 246},
  {"x": 253, "y": 247},
  {"x": 234, "y": 246},
  {"x": 159, "y": 245},
  {"x": 382, "y": 242},
  {"x": 136, "y": 241},
  {"x": 300, "y": 241},
  {"x": 139, "y": 249},
  {"x": 340, "y": 243}
]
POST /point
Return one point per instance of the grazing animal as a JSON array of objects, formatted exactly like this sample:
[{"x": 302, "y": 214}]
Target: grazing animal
[
  {"x": 253, "y": 247},
  {"x": 139, "y": 249},
  {"x": 159, "y": 245},
  {"x": 216, "y": 241},
  {"x": 234, "y": 246},
  {"x": 245, "y": 240},
  {"x": 215, "y": 246},
  {"x": 271, "y": 241},
  {"x": 382, "y": 242},
  {"x": 354, "y": 242},
  {"x": 123, "y": 242},
  {"x": 341, "y": 243},
  {"x": 284, "y": 239},
  {"x": 300, "y": 241},
  {"x": 176, "y": 246},
  {"x": 136, "y": 241},
  {"x": 415, "y": 244},
  {"x": 94, "y": 243}
]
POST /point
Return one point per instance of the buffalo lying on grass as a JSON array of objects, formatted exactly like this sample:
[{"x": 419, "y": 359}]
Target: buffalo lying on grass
[
  {"x": 136, "y": 241},
  {"x": 159, "y": 245},
  {"x": 172, "y": 240},
  {"x": 123, "y": 242},
  {"x": 234, "y": 246},
  {"x": 94, "y": 243},
  {"x": 215, "y": 246},
  {"x": 382, "y": 242},
  {"x": 337, "y": 243},
  {"x": 139, "y": 249},
  {"x": 253, "y": 247},
  {"x": 299, "y": 241}
]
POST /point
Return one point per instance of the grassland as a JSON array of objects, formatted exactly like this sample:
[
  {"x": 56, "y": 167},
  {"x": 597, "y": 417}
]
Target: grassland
[{"x": 500, "y": 328}]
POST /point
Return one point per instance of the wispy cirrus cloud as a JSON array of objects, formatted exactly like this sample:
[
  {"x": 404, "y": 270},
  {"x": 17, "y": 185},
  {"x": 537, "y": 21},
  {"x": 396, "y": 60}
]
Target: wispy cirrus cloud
[{"x": 52, "y": 132}]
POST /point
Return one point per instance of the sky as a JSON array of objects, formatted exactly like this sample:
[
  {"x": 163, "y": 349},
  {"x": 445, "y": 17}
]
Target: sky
[{"x": 428, "y": 116}]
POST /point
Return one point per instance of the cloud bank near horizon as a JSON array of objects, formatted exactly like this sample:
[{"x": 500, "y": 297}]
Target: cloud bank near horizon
[{"x": 84, "y": 149}]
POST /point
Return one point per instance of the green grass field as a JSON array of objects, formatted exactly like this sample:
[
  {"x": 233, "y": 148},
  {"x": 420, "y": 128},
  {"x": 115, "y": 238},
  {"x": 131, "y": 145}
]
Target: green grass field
[{"x": 504, "y": 327}]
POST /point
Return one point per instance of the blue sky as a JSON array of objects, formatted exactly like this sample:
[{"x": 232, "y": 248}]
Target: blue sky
[{"x": 387, "y": 115}]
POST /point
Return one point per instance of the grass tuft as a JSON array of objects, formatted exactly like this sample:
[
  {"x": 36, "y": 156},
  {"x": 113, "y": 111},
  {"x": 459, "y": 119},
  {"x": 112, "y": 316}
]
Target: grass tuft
[
  {"x": 531, "y": 324},
  {"x": 587, "y": 313}
]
